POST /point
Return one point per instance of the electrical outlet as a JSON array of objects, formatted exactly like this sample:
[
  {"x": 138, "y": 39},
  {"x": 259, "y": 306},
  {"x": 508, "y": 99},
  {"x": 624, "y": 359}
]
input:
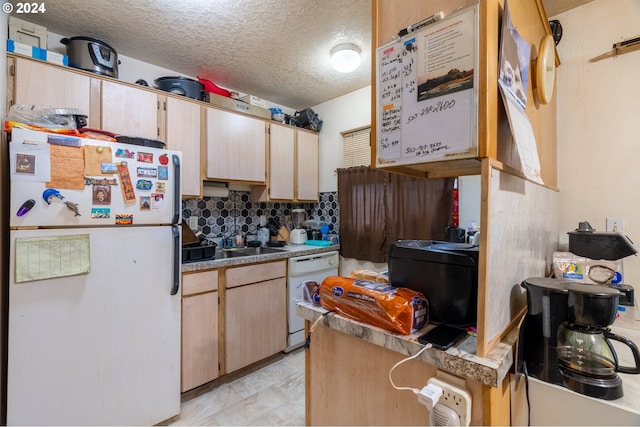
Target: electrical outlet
[
  {"x": 615, "y": 224},
  {"x": 456, "y": 398},
  {"x": 192, "y": 221}
]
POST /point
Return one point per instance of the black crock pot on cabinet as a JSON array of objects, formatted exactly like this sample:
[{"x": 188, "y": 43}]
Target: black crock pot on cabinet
[
  {"x": 181, "y": 86},
  {"x": 92, "y": 55}
]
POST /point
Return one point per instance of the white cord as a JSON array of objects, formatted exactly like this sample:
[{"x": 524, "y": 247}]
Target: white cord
[
  {"x": 414, "y": 390},
  {"x": 318, "y": 320}
]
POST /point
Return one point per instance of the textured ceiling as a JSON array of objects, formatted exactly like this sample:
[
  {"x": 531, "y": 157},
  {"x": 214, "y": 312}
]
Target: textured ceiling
[
  {"x": 554, "y": 7},
  {"x": 277, "y": 50}
]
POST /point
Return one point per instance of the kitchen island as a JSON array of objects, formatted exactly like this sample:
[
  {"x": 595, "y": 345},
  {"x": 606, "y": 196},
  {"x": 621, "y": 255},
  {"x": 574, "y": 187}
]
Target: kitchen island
[{"x": 347, "y": 380}]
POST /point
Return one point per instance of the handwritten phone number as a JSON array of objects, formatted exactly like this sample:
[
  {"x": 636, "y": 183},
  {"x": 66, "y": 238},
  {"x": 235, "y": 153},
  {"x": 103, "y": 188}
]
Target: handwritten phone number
[{"x": 24, "y": 8}]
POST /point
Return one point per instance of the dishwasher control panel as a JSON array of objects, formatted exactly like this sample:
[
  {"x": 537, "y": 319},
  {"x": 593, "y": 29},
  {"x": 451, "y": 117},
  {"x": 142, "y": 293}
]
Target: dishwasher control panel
[{"x": 311, "y": 263}]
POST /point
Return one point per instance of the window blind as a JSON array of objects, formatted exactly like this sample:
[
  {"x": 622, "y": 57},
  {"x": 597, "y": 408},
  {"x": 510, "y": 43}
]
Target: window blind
[{"x": 357, "y": 148}]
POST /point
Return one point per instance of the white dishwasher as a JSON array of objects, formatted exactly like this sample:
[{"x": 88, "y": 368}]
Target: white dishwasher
[{"x": 309, "y": 267}]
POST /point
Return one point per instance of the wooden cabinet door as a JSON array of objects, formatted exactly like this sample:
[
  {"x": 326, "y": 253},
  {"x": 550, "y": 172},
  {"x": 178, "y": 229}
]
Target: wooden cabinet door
[
  {"x": 307, "y": 175},
  {"x": 199, "y": 340},
  {"x": 281, "y": 162},
  {"x": 129, "y": 111},
  {"x": 183, "y": 134},
  {"x": 41, "y": 84},
  {"x": 236, "y": 147},
  {"x": 255, "y": 322}
]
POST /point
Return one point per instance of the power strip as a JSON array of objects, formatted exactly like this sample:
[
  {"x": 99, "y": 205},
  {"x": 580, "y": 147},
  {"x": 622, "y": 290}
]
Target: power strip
[{"x": 456, "y": 398}]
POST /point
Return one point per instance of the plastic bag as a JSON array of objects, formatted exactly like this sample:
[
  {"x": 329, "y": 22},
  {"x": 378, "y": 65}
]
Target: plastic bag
[
  {"x": 398, "y": 310},
  {"x": 569, "y": 266},
  {"x": 41, "y": 118}
]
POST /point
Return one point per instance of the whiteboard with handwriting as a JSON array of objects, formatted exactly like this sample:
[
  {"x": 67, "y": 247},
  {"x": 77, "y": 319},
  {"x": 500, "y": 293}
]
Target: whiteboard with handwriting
[{"x": 427, "y": 93}]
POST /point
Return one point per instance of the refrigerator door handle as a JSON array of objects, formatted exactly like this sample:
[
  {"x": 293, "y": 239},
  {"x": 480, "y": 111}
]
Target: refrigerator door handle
[
  {"x": 177, "y": 262},
  {"x": 177, "y": 195}
]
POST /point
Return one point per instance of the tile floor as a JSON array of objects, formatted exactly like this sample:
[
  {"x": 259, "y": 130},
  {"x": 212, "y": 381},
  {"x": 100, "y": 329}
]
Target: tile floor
[{"x": 271, "y": 395}]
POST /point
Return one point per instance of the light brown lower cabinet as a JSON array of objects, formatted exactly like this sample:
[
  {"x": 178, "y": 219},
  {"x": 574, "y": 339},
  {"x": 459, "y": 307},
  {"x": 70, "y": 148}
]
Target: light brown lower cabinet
[
  {"x": 255, "y": 313},
  {"x": 200, "y": 361}
]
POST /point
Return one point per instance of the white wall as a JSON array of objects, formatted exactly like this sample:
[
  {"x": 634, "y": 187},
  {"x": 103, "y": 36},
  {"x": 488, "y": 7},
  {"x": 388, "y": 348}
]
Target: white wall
[
  {"x": 130, "y": 70},
  {"x": 599, "y": 121},
  {"x": 469, "y": 201},
  {"x": 348, "y": 112}
]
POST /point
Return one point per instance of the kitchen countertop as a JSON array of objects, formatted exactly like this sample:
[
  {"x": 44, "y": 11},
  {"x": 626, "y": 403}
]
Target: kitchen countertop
[
  {"x": 284, "y": 252},
  {"x": 566, "y": 407},
  {"x": 627, "y": 324},
  {"x": 459, "y": 360}
]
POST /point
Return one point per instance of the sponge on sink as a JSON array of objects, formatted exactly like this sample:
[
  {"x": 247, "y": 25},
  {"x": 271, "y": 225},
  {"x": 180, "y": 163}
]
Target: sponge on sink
[{"x": 318, "y": 243}]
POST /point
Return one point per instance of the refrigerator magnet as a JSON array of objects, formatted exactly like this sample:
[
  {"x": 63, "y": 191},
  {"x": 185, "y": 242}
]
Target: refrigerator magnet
[
  {"x": 25, "y": 164},
  {"x": 26, "y": 207},
  {"x": 124, "y": 219},
  {"x": 145, "y": 203},
  {"x": 157, "y": 201},
  {"x": 145, "y": 157},
  {"x": 125, "y": 154},
  {"x": 163, "y": 173},
  {"x": 73, "y": 207},
  {"x": 163, "y": 159},
  {"x": 100, "y": 181},
  {"x": 101, "y": 195},
  {"x": 125, "y": 183},
  {"x": 147, "y": 172},
  {"x": 49, "y": 193},
  {"x": 108, "y": 168},
  {"x": 144, "y": 184},
  {"x": 161, "y": 187},
  {"x": 100, "y": 213}
]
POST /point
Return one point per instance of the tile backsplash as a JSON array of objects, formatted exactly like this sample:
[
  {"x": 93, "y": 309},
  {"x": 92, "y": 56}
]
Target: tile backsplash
[{"x": 219, "y": 216}]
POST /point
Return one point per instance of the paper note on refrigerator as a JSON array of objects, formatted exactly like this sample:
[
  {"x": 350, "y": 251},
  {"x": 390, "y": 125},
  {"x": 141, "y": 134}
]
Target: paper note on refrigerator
[
  {"x": 94, "y": 157},
  {"x": 39, "y": 258},
  {"x": 30, "y": 161},
  {"x": 67, "y": 167}
]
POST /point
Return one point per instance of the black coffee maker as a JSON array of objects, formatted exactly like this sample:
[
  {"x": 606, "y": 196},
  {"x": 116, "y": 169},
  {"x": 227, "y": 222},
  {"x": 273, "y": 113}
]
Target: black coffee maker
[{"x": 565, "y": 338}]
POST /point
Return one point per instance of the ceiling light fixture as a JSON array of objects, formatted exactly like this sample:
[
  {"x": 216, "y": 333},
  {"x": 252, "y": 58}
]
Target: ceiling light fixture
[{"x": 345, "y": 57}]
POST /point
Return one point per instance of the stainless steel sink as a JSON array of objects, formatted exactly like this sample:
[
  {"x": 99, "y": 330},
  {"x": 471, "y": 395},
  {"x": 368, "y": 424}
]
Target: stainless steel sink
[{"x": 242, "y": 252}]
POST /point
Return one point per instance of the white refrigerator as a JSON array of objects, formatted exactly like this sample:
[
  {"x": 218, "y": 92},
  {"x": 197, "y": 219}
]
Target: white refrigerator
[{"x": 94, "y": 276}]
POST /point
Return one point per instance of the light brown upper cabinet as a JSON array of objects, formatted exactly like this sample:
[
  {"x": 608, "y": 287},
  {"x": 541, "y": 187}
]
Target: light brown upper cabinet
[
  {"x": 293, "y": 166},
  {"x": 183, "y": 133},
  {"x": 307, "y": 174},
  {"x": 281, "y": 161},
  {"x": 40, "y": 84},
  {"x": 129, "y": 111},
  {"x": 236, "y": 147}
]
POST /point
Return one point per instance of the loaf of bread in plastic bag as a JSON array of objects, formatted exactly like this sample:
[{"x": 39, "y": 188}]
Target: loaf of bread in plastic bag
[
  {"x": 369, "y": 275},
  {"x": 398, "y": 310}
]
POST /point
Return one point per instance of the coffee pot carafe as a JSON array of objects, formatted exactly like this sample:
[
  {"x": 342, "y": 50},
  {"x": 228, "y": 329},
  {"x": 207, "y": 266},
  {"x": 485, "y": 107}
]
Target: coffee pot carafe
[
  {"x": 589, "y": 350},
  {"x": 589, "y": 362}
]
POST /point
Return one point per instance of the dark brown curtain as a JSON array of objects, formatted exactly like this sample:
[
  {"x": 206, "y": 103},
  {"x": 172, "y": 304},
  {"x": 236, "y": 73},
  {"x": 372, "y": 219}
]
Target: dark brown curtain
[
  {"x": 417, "y": 208},
  {"x": 362, "y": 213},
  {"x": 379, "y": 207}
]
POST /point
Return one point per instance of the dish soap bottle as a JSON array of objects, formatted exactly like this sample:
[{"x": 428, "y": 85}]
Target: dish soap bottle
[{"x": 263, "y": 236}]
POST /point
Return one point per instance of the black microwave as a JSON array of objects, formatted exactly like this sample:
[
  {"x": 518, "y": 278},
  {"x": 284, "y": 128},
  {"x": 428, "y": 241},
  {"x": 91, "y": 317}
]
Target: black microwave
[{"x": 445, "y": 273}]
